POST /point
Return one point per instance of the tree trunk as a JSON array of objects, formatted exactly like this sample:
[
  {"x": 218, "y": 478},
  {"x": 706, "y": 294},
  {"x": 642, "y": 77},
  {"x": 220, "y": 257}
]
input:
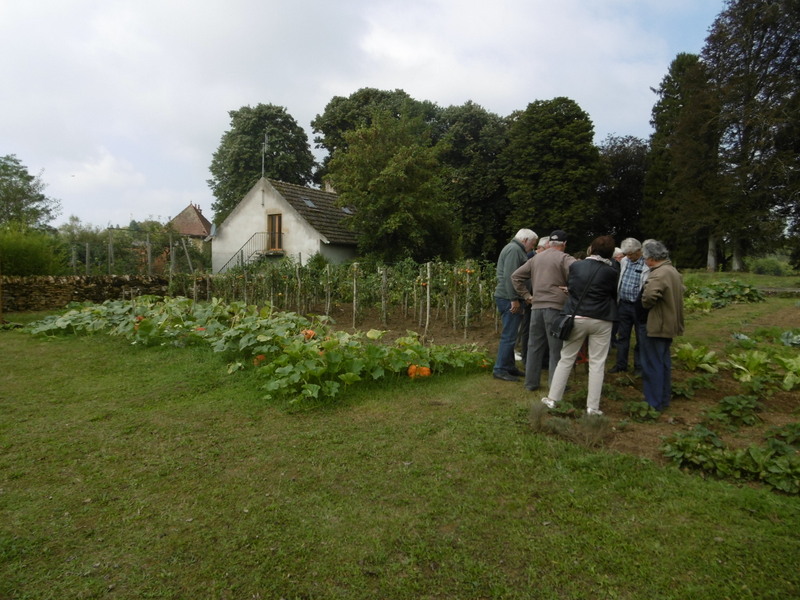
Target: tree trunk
[
  {"x": 737, "y": 260},
  {"x": 711, "y": 258}
]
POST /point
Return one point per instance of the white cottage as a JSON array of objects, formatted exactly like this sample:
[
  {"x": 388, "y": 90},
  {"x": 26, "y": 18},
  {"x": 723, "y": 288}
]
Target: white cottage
[{"x": 278, "y": 219}]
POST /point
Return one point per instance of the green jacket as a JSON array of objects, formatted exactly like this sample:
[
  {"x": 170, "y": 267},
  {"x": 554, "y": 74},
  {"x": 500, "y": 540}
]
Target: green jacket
[
  {"x": 663, "y": 296},
  {"x": 511, "y": 257}
]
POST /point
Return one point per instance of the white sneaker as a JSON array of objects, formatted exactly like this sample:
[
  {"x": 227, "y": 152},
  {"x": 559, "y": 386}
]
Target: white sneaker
[
  {"x": 594, "y": 411},
  {"x": 549, "y": 403},
  {"x": 517, "y": 356}
]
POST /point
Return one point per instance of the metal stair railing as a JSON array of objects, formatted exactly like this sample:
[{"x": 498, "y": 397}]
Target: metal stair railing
[{"x": 257, "y": 246}]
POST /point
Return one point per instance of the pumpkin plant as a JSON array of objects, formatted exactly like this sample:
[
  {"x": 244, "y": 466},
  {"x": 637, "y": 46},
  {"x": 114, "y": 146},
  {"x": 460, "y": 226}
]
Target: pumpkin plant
[{"x": 298, "y": 358}]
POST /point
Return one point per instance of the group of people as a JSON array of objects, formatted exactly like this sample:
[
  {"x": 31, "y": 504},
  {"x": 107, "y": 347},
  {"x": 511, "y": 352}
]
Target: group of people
[{"x": 610, "y": 298}]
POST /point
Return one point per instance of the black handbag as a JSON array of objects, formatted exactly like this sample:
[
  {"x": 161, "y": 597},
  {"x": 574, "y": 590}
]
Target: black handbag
[{"x": 561, "y": 327}]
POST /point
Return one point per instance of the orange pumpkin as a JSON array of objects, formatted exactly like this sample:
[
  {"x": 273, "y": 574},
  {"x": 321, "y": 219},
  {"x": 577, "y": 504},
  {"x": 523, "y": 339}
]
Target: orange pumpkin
[{"x": 418, "y": 371}]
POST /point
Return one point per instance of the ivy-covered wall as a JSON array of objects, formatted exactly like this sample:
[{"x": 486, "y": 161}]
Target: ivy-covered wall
[{"x": 23, "y": 294}]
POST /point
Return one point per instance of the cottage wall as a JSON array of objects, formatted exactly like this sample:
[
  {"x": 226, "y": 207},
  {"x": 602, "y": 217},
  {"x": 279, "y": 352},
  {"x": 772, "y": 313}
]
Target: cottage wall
[{"x": 300, "y": 240}]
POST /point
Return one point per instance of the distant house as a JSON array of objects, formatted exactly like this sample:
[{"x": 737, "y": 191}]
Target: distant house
[
  {"x": 191, "y": 223},
  {"x": 277, "y": 219}
]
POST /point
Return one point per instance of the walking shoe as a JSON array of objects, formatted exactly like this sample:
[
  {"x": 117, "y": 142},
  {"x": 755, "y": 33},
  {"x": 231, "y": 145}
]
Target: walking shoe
[
  {"x": 516, "y": 372},
  {"x": 517, "y": 356},
  {"x": 505, "y": 376},
  {"x": 617, "y": 369},
  {"x": 549, "y": 403},
  {"x": 594, "y": 411}
]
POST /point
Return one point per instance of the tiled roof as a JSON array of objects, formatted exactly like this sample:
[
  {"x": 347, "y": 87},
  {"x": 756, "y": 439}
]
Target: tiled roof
[
  {"x": 190, "y": 221},
  {"x": 319, "y": 209}
]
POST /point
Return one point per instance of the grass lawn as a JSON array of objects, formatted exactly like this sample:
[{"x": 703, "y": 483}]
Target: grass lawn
[{"x": 128, "y": 472}]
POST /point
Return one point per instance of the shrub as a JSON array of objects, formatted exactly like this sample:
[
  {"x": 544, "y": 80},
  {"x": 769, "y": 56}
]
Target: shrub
[
  {"x": 769, "y": 265},
  {"x": 723, "y": 293},
  {"x": 26, "y": 252}
]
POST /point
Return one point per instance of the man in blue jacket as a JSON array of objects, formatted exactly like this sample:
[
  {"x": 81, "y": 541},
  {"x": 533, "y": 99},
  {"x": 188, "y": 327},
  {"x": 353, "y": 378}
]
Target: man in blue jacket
[{"x": 509, "y": 304}]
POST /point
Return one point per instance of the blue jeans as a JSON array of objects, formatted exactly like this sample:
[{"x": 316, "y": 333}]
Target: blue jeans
[
  {"x": 627, "y": 320},
  {"x": 656, "y": 369},
  {"x": 540, "y": 340},
  {"x": 508, "y": 337}
]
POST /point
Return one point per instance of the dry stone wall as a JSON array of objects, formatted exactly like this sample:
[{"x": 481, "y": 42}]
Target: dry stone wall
[{"x": 24, "y": 294}]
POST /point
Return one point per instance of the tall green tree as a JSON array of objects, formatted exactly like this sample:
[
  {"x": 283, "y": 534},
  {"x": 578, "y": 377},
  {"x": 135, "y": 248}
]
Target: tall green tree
[
  {"x": 621, "y": 190},
  {"x": 753, "y": 56},
  {"x": 22, "y": 198},
  {"x": 346, "y": 114},
  {"x": 391, "y": 174},
  {"x": 552, "y": 169},
  {"x": 684, "y": 193},
  {"x": 787, "y": 140},
  {"x": 473, "y": 140},
  {"x": 261, "y": 137}
]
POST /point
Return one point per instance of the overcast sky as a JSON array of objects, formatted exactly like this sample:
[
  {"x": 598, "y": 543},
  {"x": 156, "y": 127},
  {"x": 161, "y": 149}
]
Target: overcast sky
[{"x": 120, "y": 104}]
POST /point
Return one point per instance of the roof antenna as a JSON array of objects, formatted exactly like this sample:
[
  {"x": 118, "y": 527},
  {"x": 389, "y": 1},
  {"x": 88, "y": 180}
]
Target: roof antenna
[{"x": 264, "y": 153}]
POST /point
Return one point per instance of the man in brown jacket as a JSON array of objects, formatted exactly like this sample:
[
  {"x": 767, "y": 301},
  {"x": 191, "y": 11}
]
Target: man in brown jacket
[
  {"x": 546, "y": 273},
  {"x": 662, "y": 297}
]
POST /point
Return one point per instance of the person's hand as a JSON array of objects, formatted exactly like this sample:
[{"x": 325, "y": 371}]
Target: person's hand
[{"x": 515, "y": 306}]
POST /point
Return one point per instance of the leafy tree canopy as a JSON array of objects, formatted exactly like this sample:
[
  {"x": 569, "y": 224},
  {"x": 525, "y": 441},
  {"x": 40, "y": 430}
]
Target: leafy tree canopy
[
  {"x": 392, "y": 176},
  {"x": 623, "y": 163},
  {"x": 473, "y": 139},
  {"x": 753, "y": 56},
  {"x": 684, "y": 194},
  {"x": 237, "y": 163},
  {"x": 358, "y": 110},
  {"x": 22, "y": 198},
  {"x": 552, "y": 169}
]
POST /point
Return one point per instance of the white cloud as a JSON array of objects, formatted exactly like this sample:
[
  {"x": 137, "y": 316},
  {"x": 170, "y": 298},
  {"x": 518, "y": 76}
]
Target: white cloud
[{"x": 132, "y": 96}]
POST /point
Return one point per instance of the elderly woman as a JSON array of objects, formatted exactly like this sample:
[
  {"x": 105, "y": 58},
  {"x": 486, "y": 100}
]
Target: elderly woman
[
  {"x": 662, "y": 297},
  {"x": 593, "y": 279}
]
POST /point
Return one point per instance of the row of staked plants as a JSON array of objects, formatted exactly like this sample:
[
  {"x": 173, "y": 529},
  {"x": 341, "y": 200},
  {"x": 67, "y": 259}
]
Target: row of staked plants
[
  {"x": 298, "y": 359},
  {"x": 764, "y": 363},
  {"x": 437, "y": 290},
  {"x": 448, "y": 291}
]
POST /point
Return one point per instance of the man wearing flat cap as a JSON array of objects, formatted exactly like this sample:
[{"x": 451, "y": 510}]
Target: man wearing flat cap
[{"x": 547, "y": 274}]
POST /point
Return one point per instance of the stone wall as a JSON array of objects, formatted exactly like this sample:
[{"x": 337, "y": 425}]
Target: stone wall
[{"x": 23, "y": 294}]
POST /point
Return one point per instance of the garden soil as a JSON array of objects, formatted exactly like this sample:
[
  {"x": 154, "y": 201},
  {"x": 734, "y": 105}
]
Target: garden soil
[{"x": 636, "y": 438}]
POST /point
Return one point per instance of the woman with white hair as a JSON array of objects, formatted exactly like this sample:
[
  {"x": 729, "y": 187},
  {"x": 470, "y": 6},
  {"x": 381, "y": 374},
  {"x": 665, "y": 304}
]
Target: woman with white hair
[{"x": 662, "y": 297}]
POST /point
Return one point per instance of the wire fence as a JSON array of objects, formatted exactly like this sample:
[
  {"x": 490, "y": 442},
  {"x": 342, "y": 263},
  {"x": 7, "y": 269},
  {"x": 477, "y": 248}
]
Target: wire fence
[{"x": 130, "y": 252}]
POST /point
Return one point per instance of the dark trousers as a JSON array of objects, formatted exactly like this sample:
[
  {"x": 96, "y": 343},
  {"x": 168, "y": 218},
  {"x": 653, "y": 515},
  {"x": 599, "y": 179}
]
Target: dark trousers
[
  {"x": 656, "y": 369},
  {"x": 524, "y": 332},
  {"x": 539, "y": 343},
  {"x": 627, "y": 319},
  {"x": 508, "y": 337}
]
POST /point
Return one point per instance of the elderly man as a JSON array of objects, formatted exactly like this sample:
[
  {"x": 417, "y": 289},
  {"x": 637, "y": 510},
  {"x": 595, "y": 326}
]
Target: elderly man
[
  {"x": 662, "y": 297},
  {"x": 525, "y": 326},
  {"x": 509, "y": 303},
  {"x": 546, "y": 273},
  {"x": 632, "y": 269}
]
